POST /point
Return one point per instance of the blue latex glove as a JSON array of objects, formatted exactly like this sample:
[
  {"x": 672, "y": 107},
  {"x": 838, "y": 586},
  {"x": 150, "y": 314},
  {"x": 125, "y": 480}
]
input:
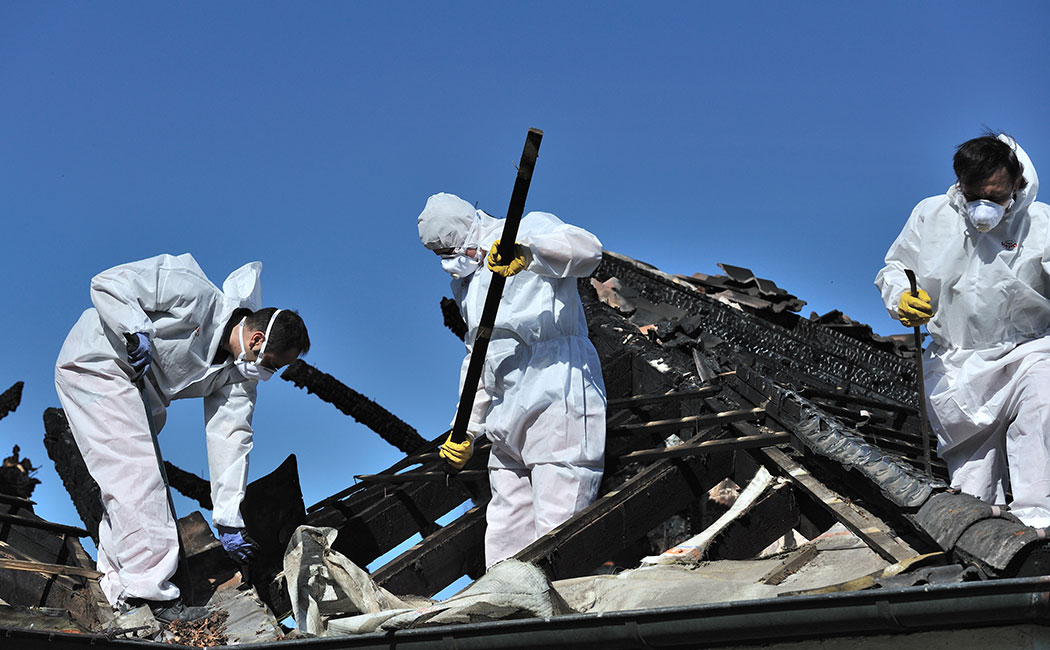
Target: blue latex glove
[
  {"x": 237, "y": 545},
  {"x": 140, "y": 353}
]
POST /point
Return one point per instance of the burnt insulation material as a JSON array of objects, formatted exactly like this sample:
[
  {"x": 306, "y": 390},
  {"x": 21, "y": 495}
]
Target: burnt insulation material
[
  {"x": 389, "y": 427},
  {"x": 10, "y": 399}
]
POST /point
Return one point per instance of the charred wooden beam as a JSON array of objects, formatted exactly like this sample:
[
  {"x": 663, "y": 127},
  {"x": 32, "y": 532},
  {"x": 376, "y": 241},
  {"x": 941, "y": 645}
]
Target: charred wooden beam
[
  {"x": 63, "y": 450},
  {"x": 682, "y": 451},
  {"x": 189, "y": 485},
  {"x": 49, "y": 569},
  {"x": 676, "y": 424},
  {"x": 424, "y": 477},
  {"x": 349, "y": 401},
  {"x": 672, "y": 396},
  {"x": 770, "y": 518},
  {"x": 10, "y": 399},
  {"x": 42, "y": 524},
  {"x": 378, "y": 517},
  {"x": 440, "y": 559}
]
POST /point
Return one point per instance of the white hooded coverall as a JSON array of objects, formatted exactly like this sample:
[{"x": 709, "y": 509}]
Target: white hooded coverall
[
  {"x": 541, "y": 398},
  {"x": 987, "y": 372},
  {"x": 184, "y": 314}
]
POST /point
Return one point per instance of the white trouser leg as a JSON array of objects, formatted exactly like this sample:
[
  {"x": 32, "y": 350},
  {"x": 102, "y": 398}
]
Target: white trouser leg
[
  {"x": 976, "y": 465},
  {"x": 510, "y": 522},
  {"x": 138, "y": 546},
  {"x": 561, "y": 491},
  {"x": 1028, "y": 447}
]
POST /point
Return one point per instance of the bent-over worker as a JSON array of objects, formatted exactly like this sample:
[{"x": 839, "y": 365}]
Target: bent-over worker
[
  {"x": 981, "y": 255},
  {"x": 541, "y": 398},
  {"x": 161, "y": 325}
]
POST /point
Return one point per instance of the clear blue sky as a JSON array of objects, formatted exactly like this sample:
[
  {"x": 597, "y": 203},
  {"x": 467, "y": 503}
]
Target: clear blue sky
[{"x": 790, "y": 138}]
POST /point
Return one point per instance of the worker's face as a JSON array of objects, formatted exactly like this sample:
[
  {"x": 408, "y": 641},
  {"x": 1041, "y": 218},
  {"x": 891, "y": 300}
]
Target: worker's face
[{"x": 997, "y": 188}]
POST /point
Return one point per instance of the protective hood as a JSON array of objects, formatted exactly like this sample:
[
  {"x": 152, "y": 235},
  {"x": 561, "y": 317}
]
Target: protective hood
[
  {"x": 243, "y": 286},
  {"x": 445, "y": 221}
]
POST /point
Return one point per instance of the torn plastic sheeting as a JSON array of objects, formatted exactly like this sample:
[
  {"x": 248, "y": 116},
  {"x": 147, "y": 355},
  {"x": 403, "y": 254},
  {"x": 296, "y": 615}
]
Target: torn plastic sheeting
[
  {"x": 900, "y": 483},
  {"x": 511, "y": 589},
  {"x": 323, "y": 583}
]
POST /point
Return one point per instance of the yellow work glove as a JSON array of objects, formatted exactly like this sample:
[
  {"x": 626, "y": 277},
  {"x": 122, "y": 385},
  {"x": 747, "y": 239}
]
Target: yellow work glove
[
  {"x": 915, "y": 310},
  {"x": 457, "y": 454},
  {"x": 509, "y": 262}
]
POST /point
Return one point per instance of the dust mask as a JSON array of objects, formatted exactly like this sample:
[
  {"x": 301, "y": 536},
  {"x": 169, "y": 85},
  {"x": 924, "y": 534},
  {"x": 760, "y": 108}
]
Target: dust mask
[
  {"x": 459, "y": 265},
  {"x": 985, "y": 214}
]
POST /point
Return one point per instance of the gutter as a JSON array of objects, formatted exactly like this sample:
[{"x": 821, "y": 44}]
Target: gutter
[{"x": 992, "y": 603}]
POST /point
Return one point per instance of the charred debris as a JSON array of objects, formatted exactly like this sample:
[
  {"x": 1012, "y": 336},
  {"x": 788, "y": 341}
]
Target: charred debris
[{"x": 732, "y": 420}]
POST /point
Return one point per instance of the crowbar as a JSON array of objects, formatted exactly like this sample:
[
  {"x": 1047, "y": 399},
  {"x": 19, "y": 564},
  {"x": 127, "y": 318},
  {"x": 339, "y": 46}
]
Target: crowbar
[
  {"x": 492, "y": 299},
  {"x": 922, "y": 384}
]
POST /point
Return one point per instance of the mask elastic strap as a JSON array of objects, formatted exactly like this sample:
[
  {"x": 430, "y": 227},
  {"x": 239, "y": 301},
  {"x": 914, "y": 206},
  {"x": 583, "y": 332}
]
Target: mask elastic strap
[{"x": 266, "y": 336}]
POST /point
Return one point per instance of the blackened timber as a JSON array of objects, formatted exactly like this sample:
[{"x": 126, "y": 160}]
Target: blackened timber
[
  {"x": 678, "y": 395},
  {"x": 617, "y": 519},
  {"x": 681, "y": 451},
  {"x": 423, "y": 477},
  {"x": 28, "y": 522},
  {"x": 377, "y": 518},
  {"x": 349, "y": 401},
  {"x": 189, "y": 485},
  {"x": 675, "y": 424},
  {"x": 439, "y": 559},
  {"x": 805, "y": 348},
  {"x": 10, "y": 399},
  {"x": 63, "y": 450}
]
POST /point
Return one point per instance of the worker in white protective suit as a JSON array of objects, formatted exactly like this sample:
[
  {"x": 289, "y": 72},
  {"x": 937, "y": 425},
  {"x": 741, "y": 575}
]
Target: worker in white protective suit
[
  {"x": 981, "y": 256},
  {"x": 541, "y": 398},
  {"x": 161, "y": 325}
]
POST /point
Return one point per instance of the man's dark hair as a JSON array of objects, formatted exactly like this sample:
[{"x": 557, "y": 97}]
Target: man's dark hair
[
  {"x": 978, "y": 159},
  {"x": 288, "y": 331}
]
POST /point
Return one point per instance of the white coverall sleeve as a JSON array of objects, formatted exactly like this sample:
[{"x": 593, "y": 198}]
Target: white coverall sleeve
[
  {"x": 558, "y": 249},
  {"x": 123, "y": 294},
  {"x": 476, "y": 424},
  {"x": 903, "y": 254},
  {"x": 228, "y": 427}
]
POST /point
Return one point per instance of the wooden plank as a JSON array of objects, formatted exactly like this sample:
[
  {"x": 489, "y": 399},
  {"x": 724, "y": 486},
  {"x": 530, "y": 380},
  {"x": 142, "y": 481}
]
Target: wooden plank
[
  {"x": 12, "y": 500},
  {"x": 683, "y": 451},
  {"x": 859, "y": 521},
  {"x": 791, "y": 565},
  {"x": 424, "y": 477},
  {"x": 440, "y": 559},
  {"x": 660, "y": 398},
  {"x": 18, "y": 520},
  {"x": 50, "y": 569},
  {"x": 675, "y": 424}
]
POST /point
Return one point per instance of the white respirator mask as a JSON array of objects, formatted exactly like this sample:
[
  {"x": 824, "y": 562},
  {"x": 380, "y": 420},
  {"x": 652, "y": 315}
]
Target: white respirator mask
[
  {"x": 459, "y": 265},
  {"x": 253, "y": 369},
  {"x": 985, "y": 214}
]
